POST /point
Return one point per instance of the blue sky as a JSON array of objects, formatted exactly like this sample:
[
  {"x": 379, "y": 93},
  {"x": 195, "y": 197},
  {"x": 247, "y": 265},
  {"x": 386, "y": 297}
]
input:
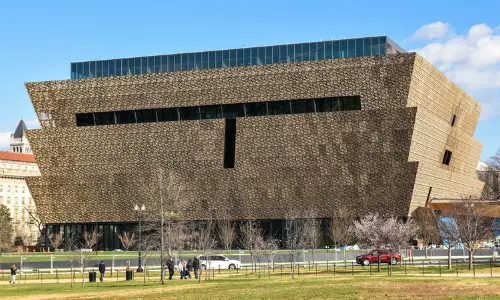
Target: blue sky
[{"x": 39, "y": 39}]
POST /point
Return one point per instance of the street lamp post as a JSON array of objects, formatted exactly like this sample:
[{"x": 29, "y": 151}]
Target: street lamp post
[{"x": 139, "y": 210}]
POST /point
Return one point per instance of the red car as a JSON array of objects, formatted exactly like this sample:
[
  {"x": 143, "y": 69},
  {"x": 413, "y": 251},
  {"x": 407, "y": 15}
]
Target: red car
[{"x": 386, "y": 256}]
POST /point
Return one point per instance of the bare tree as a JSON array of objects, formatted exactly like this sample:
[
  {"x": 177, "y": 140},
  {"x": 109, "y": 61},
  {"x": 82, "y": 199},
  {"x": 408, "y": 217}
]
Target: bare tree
[
  {"x": 251, "y": 237},
  {"x": 312, "y": 231},
  {"x": 127, "y": 239},
  {"x": 340, "y": 226},
  {"x": 450, "y": 234},
  {"x": 35, "y": 220},
  {"x": 72, "y": 256},
  {"x": 226, "y": 229},
  {"x": 90, "y": 239},
  {"x": 269, "y": 246},
  {"x": 164, "y": 212},
  {"x": 295, "y": 242},
  {"x": 205, "y": 241},
  {"x": 490, "y": 176},
  {"x": 472, "y": 224},
  {"x": 56, "y": 240},
  {"x": 427, "y": 230}
]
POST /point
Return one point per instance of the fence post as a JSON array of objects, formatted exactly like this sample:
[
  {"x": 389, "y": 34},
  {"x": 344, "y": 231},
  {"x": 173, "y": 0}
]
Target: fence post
[
  {"x": 456, "y": 266},
  {"x": 327, "y": 266},
  {"x": 334, "y": 267},
  {"x": 219, "y": 269},
  {"x": 41, "y": 278},
  {"x": 491, "y": 269},
  {"x": 281, "y": 272},
  {"x": 316, "y": 269},
  {"x": 57, "y": 276},
  {"x": 213, "y": 274},
  {"x": 440, "y": 268},
  {"x": 473, "y": 267},
  {"x": 406, "y": 265},
  {"x": 352, "y": 268},
  {"x": 309, "y": 263},
  {"x": 117, "y": 275}
]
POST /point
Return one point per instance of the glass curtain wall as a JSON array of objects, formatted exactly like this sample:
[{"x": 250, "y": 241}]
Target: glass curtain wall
[{"x": 370, "y": 46}]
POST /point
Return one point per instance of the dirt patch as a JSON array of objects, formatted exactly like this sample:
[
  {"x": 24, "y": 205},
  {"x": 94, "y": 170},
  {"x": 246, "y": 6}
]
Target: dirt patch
[
  {"x": 122, "y": 293},
  {"x": 425, "y": 288}
]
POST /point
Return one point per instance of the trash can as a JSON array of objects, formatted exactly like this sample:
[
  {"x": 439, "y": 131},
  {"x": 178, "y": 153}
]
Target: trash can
[
  {"x": 129, "y": 275},
  {"x": 92, "y": 276}
]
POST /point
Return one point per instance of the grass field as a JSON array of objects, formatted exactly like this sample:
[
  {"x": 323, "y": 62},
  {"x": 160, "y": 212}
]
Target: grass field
[{"x": 306, "y": 287}]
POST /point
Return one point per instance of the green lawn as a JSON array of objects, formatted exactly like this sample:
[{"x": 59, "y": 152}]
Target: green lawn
[{"x": 305, "y": 287}]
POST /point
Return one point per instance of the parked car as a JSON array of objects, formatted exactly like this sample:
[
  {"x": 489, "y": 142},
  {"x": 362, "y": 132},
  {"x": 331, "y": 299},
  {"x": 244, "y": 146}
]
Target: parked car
[
  {"x": 386, "y": 256},
  {"x": 218, "y": 261}
]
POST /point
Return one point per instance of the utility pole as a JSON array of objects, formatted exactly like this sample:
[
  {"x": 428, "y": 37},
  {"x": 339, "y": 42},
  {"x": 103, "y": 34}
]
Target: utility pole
[
  {"x": 140, "y": 211},
  {"x": 162, "y": 246}
]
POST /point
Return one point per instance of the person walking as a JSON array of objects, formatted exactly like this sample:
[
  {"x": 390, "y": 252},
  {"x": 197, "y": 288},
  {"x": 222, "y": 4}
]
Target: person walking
[
  {"x": 182, "y": 268},
  {"x": 196, "y": 266},
  {"x": 170, "y": 267},
  {"x": 102, "y": 270},
  {"x": 13, "y": 272},
  {"x": 189, "y": 268}
]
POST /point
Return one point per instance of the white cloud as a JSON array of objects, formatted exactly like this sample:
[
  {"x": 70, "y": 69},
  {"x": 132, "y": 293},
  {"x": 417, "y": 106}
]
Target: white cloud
[
  {"x": 472, "y": 60},
  {"x": 431, "y": 31},
  {"x": 4, "y": 141}
]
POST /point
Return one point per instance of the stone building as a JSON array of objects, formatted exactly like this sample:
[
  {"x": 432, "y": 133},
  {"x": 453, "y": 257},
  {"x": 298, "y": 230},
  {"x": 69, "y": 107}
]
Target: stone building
[
  {"x": 14, "y": 192},
  {"x": 18, "y": 141},
  {"x": 264, "y": 131}
]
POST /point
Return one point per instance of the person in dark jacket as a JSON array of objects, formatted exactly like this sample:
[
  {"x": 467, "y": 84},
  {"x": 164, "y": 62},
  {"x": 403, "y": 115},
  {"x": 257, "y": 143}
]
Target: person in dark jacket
[
  {"x": 189, "y": 268},
  {"x": 102, "y": 270},
  {"x": 13, "y": 272},
  {"x": 196, "y": 266},
  {"x": 170, "y": 267}
]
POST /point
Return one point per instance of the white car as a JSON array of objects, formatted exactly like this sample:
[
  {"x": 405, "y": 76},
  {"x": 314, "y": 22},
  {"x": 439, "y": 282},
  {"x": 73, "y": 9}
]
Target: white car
[{"x": 218, "y": 261}]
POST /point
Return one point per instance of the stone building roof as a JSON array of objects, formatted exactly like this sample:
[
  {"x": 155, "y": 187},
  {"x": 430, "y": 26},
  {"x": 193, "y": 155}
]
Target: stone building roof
[{"x": 21, "y": 157}]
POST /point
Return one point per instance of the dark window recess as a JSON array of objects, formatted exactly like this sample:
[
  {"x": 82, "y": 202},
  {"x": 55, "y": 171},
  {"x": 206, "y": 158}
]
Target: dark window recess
[
  {"x": 222, "y": 111},
  {"x": 302, "y": 106},
  {"x": 167, "y": 114},
  {"x": 278, "y": 107},
  {"x": 233, "y": 110},
  {"x": 453, "y": 120},
  {"x": 210, "y": 112},
  {"x": 327, "y": 104},
  {"x": 447, "y": 157},
  {"x": 85, "y": 119},
  {"x": 104, "y": 118},
  {"x": 146, "y": 116},
  {"x": 256, "y": 109},
  {"x": 230, "y": 143},
  {"x": 188, "y": 113},
  {"x": 125, "y": 117},
  {"x": 351, "y": 103}
]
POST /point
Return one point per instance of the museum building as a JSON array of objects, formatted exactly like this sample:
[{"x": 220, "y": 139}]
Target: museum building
[{"x": 261, "y": 132}]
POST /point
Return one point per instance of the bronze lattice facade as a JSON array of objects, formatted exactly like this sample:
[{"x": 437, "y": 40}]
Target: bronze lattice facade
[{"x": 383, "y": 157}]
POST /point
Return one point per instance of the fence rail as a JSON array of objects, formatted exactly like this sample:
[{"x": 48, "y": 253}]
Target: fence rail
[{"x": 458, "y": 268}]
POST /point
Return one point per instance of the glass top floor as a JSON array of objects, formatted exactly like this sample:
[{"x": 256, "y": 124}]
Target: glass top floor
[{"x": 333, "y": 49}]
